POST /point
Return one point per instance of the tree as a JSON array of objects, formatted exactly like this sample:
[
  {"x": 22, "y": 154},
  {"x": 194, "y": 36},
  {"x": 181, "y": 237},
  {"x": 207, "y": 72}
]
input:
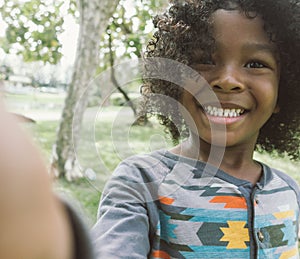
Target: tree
[
  {"x": 114, "y": 79},
  {"x": 93, "y": 20},
  {"x": 128, "y": 30},
  {"x": 130, "y": 27},
  {"x": 32, "y": 29}
]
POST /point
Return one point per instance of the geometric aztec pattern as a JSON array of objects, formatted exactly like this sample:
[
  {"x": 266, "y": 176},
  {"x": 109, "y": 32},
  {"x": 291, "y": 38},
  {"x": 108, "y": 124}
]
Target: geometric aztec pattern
[{"x": 218, "y": 226}]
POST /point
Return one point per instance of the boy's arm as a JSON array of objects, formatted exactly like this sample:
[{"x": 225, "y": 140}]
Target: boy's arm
[
  {"x": 33, "y": 223},
  {"x": 126, "y": 217}
]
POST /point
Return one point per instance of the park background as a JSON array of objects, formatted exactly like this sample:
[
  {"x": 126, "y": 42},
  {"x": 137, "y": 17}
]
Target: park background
[{"x": 42, "y": 69}]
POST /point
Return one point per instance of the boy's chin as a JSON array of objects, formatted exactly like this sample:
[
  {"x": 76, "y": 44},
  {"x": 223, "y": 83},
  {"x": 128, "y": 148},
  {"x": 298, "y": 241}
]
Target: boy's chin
[{"x": 217, "y": 138}]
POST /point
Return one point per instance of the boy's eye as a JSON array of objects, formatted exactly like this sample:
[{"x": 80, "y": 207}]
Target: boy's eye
[
  {"x": 255, "y": 64},
  {"x": 207, "y": 62}
]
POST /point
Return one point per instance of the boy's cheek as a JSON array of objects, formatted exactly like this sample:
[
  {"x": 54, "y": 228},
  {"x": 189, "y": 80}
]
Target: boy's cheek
[
  {"x": 199, "y": 90},
  {"x": 194, "y": 85}
]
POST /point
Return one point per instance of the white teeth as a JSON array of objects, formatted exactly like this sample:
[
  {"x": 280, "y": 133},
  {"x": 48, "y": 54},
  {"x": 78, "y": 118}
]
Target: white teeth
[{"x": 214, "y": 111}]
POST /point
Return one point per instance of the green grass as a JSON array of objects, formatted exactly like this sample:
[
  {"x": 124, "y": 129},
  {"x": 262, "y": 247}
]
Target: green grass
[
  {"x": 44, "y": 132},
  {"x": 84, "y": 196},
  {"x": 35, "y": 102},
  {"x": 38, "y": 98}
]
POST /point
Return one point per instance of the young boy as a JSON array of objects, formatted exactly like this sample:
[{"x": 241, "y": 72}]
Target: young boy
[{"x": 207, "y": 197}]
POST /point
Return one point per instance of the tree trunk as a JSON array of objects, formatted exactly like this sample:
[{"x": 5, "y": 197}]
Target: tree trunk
[
  {"x": 114, "y": 79},
  {"x": 94, "y": 16}
]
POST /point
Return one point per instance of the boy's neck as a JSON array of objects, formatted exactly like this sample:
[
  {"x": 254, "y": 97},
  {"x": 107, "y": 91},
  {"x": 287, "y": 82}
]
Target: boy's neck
[{"x": 236, "y": 161}]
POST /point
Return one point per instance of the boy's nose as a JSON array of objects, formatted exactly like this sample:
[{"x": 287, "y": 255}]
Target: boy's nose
[{"x": 228, "y": 80}]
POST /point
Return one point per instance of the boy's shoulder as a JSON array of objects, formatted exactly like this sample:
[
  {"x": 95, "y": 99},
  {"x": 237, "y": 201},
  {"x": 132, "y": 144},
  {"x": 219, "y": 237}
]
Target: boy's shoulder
[
  {"x": 158, "y": 159},
  {"x": 154, "y": 166},
  {"x": 147, "y": 167},
  {"x": 288, "y": 179},
  {"x": 281, "y": 180}
]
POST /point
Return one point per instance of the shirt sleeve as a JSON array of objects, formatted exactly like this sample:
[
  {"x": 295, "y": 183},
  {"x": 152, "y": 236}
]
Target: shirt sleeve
[
  {"x": 291, "y": 182},
  {"x": 124, "y": 225}
]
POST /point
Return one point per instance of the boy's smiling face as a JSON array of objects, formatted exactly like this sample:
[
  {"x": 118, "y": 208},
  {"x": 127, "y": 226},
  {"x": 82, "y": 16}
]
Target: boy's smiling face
[{"x": 244, "y": 74}]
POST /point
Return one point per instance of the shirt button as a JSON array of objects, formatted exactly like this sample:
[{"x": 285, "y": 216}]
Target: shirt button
[{"x": 260, "y": 236}]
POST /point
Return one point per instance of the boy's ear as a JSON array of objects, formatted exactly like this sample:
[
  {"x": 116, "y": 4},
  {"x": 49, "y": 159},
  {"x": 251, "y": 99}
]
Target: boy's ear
[{"x": 276, "y": 109}]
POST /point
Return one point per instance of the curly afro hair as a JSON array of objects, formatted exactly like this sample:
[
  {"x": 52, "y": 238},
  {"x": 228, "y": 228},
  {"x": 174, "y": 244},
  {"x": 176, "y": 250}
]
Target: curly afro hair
[{"x": 186, "y": 27}]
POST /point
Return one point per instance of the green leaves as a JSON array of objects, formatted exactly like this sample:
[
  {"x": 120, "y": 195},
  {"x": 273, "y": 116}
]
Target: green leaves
[
  {"x": 130, "y": 28},
  {"x": 33, "y": 29}
]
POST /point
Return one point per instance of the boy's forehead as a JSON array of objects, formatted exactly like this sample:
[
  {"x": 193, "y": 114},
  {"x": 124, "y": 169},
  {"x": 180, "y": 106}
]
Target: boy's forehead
[
  {"x": 234, "y": 19},
  {"x": 232, "y": 25}
]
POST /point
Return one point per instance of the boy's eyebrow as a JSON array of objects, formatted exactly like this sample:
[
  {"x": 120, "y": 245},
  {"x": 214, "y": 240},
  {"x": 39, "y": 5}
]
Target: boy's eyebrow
[{"x": 260, "y": 47}]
